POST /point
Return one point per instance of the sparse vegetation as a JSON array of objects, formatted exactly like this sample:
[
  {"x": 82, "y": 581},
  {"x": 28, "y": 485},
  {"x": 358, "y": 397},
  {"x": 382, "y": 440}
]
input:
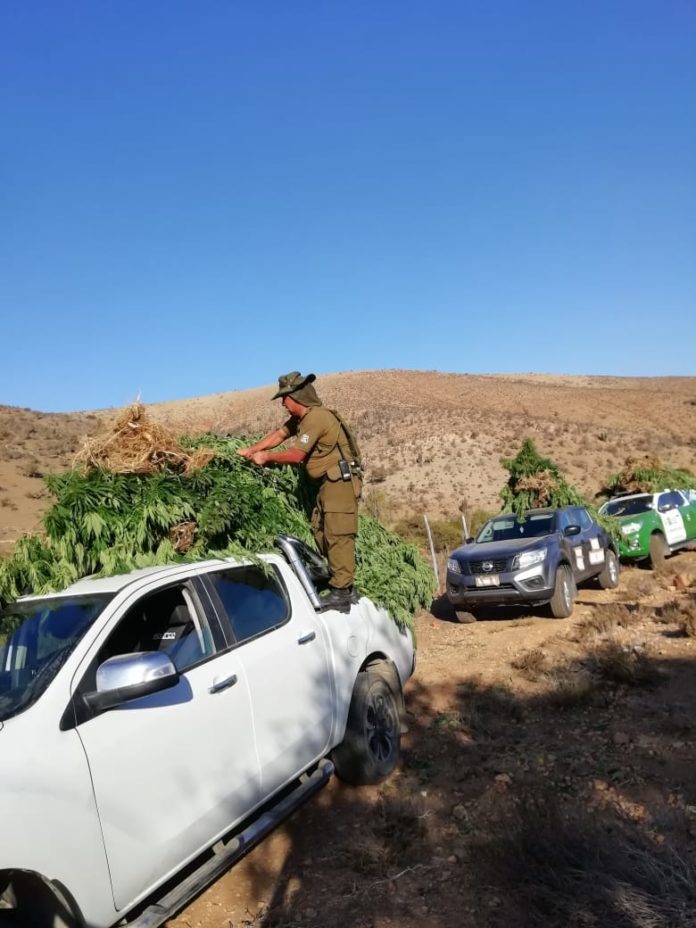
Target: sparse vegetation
[
  {"x": 566, "y": 865},
  {"x": 531, "y": 665},
  {"x": 618, "y": 662}
]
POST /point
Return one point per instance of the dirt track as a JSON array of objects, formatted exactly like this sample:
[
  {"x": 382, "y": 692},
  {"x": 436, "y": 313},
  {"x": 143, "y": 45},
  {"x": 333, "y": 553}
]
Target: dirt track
[{"x": 432, "y": 846}]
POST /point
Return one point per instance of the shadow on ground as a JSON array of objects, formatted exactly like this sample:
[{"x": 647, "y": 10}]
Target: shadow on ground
[{"x": 511, "y": 811}]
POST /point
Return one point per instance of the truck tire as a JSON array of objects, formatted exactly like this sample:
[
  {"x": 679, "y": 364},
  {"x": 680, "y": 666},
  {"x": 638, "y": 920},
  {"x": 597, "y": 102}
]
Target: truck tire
[
  {"x": 465, "y": 618},
  {"x": 609, "y": 577},
  {"x": 371, "y": 746},
  {"x": 659, "y": 550},
  {"x": 563, "y": 593}
]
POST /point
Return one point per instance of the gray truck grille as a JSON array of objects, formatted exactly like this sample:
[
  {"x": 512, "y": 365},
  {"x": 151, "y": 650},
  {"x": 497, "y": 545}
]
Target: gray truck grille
[{"x": 498, "y": 566}]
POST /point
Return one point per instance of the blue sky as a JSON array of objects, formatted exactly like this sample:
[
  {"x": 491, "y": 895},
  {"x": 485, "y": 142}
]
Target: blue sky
[{"x": 198, "y": 197}]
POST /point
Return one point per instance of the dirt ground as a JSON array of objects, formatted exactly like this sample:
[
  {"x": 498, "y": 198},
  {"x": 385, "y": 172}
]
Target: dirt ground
[
  {"x": 547, "y": 779},
  {"x": 548, "y": 773}
]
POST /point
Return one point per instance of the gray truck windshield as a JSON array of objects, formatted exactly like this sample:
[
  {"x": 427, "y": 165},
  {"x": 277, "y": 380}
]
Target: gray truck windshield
[
  {"x": 509, "y": 528},
  {"x": 36, "y": 638}
]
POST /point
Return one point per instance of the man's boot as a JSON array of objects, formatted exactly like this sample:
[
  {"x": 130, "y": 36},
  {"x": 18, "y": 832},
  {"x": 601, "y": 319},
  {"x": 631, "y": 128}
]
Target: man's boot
[{"x": 339, "y": 599}]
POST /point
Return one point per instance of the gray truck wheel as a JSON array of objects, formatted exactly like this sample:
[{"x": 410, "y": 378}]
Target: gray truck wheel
[
  {"x": 609, "y": 577},
  {"x": 371, "y": 746},
  {"x": 659, "y": 550},
  {"x": 563, "y": 593}
]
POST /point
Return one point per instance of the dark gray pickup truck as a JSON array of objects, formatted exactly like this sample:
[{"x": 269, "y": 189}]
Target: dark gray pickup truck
[{"x": 531, "y": 560}]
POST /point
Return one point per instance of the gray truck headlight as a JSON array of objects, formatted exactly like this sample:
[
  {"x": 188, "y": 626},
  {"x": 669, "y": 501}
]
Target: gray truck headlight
[
  {"x": 528, "y": 559},
  {"x": 453, "y": 565}
]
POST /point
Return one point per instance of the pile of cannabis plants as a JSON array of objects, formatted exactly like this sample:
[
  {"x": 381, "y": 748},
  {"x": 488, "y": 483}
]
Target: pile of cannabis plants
[
  {"x": 536, "y": 482},
  {"x": 105, "y": 522},
  {"x": 648, "y": 475}
]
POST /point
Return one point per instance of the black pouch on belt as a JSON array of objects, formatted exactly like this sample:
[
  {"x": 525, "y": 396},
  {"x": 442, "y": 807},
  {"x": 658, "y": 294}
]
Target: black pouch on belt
[{"x": 346, "y": 473}]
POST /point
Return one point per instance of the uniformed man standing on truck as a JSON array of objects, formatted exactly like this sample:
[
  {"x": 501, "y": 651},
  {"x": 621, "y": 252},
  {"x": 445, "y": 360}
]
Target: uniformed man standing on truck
[{"x": 329, "y": 452}]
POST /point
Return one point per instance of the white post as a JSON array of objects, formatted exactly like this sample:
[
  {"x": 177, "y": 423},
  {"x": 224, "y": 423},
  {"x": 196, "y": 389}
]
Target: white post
[
  {"x": 432, "y": 548},
  {"x": 466, "y": 530}
]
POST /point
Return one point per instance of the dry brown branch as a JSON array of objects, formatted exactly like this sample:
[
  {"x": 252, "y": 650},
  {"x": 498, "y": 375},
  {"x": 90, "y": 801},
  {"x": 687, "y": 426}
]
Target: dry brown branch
[
  {"x": 629, "y": 482},
  {"x": 544, "y": 484},
  {"x": 182, "y": 536}
]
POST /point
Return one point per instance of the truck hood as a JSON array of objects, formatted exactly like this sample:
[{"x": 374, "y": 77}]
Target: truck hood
[{"x": 493, "y": 549}]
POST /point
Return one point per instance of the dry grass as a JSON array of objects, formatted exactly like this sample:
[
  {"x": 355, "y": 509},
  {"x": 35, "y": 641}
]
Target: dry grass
[
  {"x": 604, "y": 620},
  {"x": 570, "y": 687},
  {"x": 136, "y": 444},
  {"x": 637, "y": 582},
  {"x": 616, "y": 662},
  {"x": 579, "y": 868},
  {"x": 680, "y": 612},
  {"x": 531, "y": 665},
  {"x": 393, "y": 840}
]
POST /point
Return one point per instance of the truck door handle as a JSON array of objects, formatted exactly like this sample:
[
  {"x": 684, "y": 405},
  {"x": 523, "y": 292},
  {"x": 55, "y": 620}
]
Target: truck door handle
[
  {"x": 223, "y": 683},
  {"x": 308, "y": 636}
]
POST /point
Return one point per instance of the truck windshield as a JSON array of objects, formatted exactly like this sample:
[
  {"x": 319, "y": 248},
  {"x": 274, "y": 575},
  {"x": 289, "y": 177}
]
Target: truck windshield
[
  {"x": 36, "y": 638},
  {"x": 510, "y": 528},
  {"x": 628, "y": 507}
]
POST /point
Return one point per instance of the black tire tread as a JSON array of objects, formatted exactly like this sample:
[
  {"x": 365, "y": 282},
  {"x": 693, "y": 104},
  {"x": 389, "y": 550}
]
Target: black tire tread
[
  {"x": 557, "y": 605},
  {"x": 604, "y": 577},
  {"x": 354, "y": 761}
]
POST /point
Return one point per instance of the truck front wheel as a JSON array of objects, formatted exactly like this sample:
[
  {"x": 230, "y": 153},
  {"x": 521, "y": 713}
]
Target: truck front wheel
[
  {"x": 563, "y": 593},
  {"x": 609, "y": 577},
  {"x": 659, "y": 550}
]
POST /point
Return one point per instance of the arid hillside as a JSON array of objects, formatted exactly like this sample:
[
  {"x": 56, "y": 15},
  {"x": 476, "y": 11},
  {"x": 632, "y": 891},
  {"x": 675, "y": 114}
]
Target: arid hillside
[{"x": 432, "y": 441}]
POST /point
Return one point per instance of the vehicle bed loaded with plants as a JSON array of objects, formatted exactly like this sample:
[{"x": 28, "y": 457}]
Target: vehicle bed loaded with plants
[
  {"x": 655, "y": 508},
  {"x": 175, "y": 582},
  {"x": 139, "y": 497},
  {"x": 538, "y": 551}
]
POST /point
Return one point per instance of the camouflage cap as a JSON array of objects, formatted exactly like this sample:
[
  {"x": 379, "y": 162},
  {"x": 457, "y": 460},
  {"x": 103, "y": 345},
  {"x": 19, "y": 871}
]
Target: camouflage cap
[{"x": 288, "y": 383}]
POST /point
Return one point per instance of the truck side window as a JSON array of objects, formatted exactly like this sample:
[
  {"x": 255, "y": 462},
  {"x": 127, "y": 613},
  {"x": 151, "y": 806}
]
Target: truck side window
[
  {"x": 254, "y": 602},
  {"x": 163, "y": 621},
  {"x": 666, "y": 501}
]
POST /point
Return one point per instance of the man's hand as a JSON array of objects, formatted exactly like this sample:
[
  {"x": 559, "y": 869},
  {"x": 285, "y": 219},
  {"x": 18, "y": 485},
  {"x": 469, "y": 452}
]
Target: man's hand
[
  {"x": 245, "y": 452},
  {"x": 259, "y": 457}
]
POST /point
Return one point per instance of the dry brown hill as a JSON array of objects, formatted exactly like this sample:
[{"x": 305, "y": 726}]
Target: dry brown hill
[{"x": 432, "y": 441}]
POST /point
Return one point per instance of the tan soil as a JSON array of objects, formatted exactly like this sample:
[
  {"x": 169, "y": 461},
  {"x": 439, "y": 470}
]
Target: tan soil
[
  {"x": 483, "y": 740},
  {"x": 504, "y": 713}
]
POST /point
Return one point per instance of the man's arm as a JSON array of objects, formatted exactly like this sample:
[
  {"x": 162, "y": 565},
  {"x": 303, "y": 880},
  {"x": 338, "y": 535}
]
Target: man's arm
[
  {"x": 271, "y": 440},
  {"x": 290, "y": 456}
]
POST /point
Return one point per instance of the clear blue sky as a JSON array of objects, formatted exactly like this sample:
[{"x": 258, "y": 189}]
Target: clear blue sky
[{"x": 196, "y": 197}]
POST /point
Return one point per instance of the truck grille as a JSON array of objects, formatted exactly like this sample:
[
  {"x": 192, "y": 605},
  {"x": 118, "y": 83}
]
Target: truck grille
[{"x": 499, "y": 565}]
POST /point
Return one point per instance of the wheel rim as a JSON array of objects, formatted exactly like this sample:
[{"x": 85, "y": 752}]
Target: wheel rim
[
  {"x": 380, "y": 726},
  {"x": 613, "y": 570}
]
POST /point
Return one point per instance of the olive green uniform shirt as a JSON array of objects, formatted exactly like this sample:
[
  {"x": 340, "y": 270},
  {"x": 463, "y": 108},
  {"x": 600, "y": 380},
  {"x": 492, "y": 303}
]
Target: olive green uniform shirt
[{"x": 321, "y": 436}]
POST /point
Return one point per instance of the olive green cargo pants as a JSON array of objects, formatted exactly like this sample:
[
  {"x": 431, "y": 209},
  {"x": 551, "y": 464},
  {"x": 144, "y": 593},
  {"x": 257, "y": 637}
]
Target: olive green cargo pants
[{"x": 335, "y": 526}]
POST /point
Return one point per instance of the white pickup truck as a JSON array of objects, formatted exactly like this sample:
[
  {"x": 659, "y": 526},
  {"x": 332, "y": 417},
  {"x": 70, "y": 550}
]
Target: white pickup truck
[{"x": 146, "y": 720}]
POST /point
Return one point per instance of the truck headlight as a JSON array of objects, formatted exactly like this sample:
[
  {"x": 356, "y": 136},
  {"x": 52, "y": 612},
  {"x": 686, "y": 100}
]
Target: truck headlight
[
  {"x": 528, "y": 559},
  {"x": 453, "y": 565},
  {"x": 630, "y": 528}
]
